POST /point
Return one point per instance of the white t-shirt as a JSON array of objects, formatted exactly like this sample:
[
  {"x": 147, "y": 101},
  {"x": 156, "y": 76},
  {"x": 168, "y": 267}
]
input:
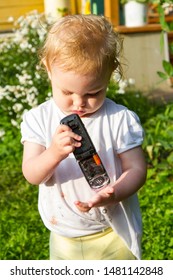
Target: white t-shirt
[{"x": 113, "y": 130}]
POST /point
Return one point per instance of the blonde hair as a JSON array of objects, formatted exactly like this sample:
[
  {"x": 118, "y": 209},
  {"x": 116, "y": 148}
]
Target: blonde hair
[{"x": 83, "y": 44}]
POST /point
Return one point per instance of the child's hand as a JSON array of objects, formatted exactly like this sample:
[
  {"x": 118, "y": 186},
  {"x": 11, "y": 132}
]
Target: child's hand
[
  {"x": 64, "y": 141},
  {"x": 102, "y": 198}
]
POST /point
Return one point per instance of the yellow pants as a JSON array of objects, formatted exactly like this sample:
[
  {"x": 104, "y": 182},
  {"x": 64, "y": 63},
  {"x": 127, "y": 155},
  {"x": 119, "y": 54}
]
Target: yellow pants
[{"x": 106, "y": 245}]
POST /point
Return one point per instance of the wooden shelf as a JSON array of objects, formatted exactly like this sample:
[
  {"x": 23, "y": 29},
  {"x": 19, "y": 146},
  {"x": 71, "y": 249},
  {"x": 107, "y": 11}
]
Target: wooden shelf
[
  {"x": 155, "y": 19},
  {"x": 139, "y": 29}
]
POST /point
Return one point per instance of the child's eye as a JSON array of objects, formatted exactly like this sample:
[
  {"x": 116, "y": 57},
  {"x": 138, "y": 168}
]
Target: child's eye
[
  {"x": 93, "y": 94},
  {"x": 67, "y": 93}
]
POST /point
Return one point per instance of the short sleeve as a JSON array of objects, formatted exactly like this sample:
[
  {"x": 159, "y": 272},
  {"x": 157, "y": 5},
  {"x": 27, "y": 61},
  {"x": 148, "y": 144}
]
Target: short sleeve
[
  {"x": 32, "y": 129},
  {"x": 130, "y": 132}
]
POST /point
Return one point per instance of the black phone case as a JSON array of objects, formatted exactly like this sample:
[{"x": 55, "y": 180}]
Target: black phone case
[{"x": 86, "y": 155}]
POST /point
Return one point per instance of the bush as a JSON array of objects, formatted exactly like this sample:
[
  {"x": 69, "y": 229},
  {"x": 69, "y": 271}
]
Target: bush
[
  {"x": 23, "y": 83},
  {"x": 156, "y": 196},
  {"x": 133, "y": 99},
  {"x": 159, "y": 139}
]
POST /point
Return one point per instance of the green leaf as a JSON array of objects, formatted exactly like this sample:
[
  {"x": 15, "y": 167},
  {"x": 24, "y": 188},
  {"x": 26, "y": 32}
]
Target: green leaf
[
  {"x": 170, "y": 158},
  {"x": 168, "y": 67},
  {"x": 164, "y": 24},
  {"x": 162, "y": 75}
]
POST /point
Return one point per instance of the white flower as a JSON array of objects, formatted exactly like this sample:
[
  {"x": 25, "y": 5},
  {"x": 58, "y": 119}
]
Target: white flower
[
  {"x": 18, "y": 37},
  {"x": 14, "y": 123},
  {"x": 116, "y": 77},
  {"x": 2, "y": 133},
  {"x": 25, "y": 78},
  {"x": 37, "y": 76},
  {"x": 17, "y": 107},
  {"x": 131, "y": 81},
  {"x": 10, "y": 19},
  {"x": 33, "y": 50},
  {"x": 121, "y": 91},
  {"x": 24, "y": 31},
  {"x": 123, "y": 84}
]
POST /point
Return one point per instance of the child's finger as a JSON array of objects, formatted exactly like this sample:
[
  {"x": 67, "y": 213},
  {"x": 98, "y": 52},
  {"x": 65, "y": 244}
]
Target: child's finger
[{"x": 82, "y": 206}]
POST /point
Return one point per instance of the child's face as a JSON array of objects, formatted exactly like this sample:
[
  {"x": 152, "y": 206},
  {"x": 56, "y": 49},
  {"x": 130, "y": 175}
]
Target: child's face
[{"x": 76, "y": 93}]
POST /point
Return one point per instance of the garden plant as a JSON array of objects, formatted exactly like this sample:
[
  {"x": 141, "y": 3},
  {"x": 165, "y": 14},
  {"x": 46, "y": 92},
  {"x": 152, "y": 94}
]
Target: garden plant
[{"x": 23, "y": 85}]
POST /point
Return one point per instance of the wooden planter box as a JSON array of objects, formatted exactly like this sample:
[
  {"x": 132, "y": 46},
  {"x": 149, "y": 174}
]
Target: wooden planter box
[{"x": 14, "y": 9}]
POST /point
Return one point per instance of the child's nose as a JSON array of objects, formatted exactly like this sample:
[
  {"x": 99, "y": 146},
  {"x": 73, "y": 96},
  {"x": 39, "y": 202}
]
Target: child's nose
[{"x": 79, "y": 101}]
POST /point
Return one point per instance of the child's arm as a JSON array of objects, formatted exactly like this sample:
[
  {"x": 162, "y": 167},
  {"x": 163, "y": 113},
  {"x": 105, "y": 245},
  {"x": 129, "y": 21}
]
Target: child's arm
[
  {"x": 132, "y": 179},
  {"x": 39, "y": 162}
]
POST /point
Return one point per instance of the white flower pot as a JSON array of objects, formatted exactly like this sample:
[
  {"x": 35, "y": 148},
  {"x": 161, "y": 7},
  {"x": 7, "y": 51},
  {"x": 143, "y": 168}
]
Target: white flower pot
[
  {"x": 135, "y": 14},
  {"x": 57, "y": 8}
]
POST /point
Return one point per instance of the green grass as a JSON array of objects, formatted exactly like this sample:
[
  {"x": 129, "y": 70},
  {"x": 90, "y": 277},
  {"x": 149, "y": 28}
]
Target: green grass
[
  {"x": 157, "y": 214},
  {"x": 23, "y": 235}
]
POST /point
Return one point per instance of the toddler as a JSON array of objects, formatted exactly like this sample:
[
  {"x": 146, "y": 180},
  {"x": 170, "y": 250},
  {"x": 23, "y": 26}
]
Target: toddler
[{"x": 80, "y": 54}]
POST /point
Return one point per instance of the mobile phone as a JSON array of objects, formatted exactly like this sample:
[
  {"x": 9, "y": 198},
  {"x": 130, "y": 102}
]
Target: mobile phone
[{"x": 86, "y": 155}]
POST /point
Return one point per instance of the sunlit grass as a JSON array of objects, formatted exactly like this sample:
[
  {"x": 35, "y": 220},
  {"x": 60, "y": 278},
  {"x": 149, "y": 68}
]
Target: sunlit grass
[{"x": 23, "y": 235}]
